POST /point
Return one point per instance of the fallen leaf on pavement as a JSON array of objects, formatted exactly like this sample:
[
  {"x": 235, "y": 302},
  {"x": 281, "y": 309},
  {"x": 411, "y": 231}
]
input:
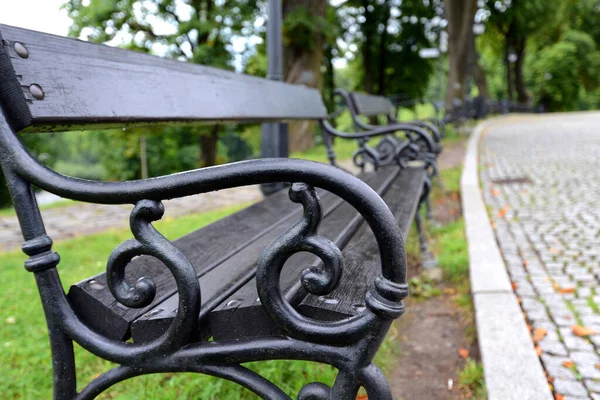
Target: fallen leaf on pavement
[
  {"x": 567, "y": 290},
  {"x": 503, "y": 211},
  {"x": 514, "y": 285},
  {"x": 539, "y": 334},
  {"x": 568, "y": 363},
  {"x": 495, "y": 192},
  {"x": 463, "y": 353},
  {"x": 559, "y": 397},
  {"x": 582, "y": 330}
]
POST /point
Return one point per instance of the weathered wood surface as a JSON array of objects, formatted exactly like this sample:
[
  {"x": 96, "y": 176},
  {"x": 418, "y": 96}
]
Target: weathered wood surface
[
  {"x": 361, "y": 255},
  {"x": 370, "y": 105},
  {"x": 207, "y": 247},
  {"x": 88, "y": 84},
  {"x": 219, "y": 285},
  {"x": 241, "y": 315}
]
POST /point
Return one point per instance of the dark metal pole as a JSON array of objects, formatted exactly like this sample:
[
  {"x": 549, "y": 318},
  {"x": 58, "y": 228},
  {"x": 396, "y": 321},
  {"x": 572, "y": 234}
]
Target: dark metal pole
[{"x": 274, "y": 136}]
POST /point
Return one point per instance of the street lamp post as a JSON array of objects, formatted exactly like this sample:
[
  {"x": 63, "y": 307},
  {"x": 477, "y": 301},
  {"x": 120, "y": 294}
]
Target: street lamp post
[{"x": 274, "y": 136}]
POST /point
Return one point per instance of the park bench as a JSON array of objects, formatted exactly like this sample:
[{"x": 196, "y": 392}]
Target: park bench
[
  {"x": 220, "y": 296},
  {"x": 422, "y": 137},
  {"x": 424, "y": 134}
]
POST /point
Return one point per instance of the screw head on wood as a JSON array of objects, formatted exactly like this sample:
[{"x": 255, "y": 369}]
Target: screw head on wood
[
  {"x": 36, "y": 91},
  {"x": 21, "y": 50}
]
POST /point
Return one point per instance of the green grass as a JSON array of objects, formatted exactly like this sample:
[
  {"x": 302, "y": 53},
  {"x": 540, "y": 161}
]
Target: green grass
[
  {"x": 450, "y": 248},
  {"x": 471, "y": 379},
  {"x": 25, "y": 363}
]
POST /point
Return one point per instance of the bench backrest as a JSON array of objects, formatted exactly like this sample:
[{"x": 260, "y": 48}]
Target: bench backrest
[
  {"x": 370, "y": 105},
  {"x": 49, "y": 82}
]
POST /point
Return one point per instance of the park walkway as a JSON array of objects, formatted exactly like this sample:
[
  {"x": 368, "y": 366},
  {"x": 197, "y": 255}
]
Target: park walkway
[{"x": 541, "y": 182}]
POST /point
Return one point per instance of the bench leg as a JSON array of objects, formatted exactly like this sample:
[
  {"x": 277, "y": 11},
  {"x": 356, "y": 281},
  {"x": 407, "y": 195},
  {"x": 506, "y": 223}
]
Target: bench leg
[
  {"x": 427, "y": 258},
  {"x": 423, "y": 245}
]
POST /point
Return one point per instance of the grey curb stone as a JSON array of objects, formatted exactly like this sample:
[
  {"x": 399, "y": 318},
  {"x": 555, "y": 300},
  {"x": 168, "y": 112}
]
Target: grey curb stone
[{"x": 512, "y": 369}]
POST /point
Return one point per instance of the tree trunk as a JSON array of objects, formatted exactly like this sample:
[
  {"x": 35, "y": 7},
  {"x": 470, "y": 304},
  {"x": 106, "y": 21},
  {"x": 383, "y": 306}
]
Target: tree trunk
[
  {"x": 522, "y": 94},
  {"x": 507, "y": 64},
  {"x": 208, "y": 147},
  {"x": 479, "y": 74},
  {"x": 302, "y": 65},
  {"x": 383, "y": 43},
  {"x": 369, "y": 29},
  {"x": 460, "y": 15}
]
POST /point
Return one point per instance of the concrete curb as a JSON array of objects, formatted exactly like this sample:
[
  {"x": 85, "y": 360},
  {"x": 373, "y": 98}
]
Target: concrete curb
[{"x": 511, "y": 366}]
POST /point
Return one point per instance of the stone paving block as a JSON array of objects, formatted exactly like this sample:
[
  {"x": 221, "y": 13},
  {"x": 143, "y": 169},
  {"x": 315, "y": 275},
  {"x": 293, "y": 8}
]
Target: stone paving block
[
  {"x": 556, "y": 228},
  {"x": 592, "y": 385},
  {"x": 569, "y": 387}
]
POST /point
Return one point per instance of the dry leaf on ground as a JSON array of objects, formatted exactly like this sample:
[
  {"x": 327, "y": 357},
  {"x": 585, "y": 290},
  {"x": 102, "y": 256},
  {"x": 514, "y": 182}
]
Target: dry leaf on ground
[
  {"x": 568, "y": 363},
  {"x": 567, "y": 290},
  {"x": 539, "y": 334},
  {"x": 538, "y": 351},
  {"x": 503, "y": 211},
  {"x": 463, "y": 353},
  {"x": 582, "y": 330}
]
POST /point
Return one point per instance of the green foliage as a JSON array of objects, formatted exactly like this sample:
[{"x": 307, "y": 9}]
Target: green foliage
[
  {"x": 562, "y": 72},
  {"x": 423, "y": 288},
  {"x": 301, "y": 26},
  {"x": 388, "y": 36}
]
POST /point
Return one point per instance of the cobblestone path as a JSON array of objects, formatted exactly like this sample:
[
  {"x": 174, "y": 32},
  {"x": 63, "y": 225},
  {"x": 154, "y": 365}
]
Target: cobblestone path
[{"x": 541, "y": 181}]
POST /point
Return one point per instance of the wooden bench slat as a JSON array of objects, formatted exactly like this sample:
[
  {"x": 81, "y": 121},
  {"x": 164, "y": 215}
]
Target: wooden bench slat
[
  {"x": 362, "y": 256},
  {"x": 106, "y": 86},
  {"x": 370, "y": 105},
  {"x": 221, "y": 282},
  {"x": 242, "y": 315},
  {"x": 97, "y": 306}
]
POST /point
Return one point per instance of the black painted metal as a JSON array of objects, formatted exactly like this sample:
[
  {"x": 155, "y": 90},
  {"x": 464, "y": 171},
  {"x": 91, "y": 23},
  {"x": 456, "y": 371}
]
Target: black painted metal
[
  {"x": 348, "y": 345},
  {"x": 77, "y": 96},
  {"x": 274, "y": 135}
]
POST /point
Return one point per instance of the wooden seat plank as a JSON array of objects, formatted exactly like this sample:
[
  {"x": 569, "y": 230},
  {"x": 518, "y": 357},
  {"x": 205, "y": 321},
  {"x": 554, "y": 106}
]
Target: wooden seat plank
[
  {"x": 96, "y": 305},
  {"x": 242, "y": 315},
  {"x": 370, "y": 105},
  {"x": 105, "y": 86},
  {"x": 222, "y": 282},
  {"x": 361, "y": 255}
]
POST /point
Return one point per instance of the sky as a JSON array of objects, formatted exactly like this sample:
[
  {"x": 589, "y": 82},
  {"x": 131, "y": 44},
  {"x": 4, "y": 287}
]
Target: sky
[{"x": 38, "y": 15}]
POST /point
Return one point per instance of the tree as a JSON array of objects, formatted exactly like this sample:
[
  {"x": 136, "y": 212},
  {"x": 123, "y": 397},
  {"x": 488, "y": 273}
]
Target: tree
[
  {"x": 387, "y": 36},
  {"x": 517, "y": 21},
  {"x": 460, "y": 15},
  {"x": 305, "y": 27},
  {"x": 197, "y": 31},
  {"x": 563, "y": 70}
]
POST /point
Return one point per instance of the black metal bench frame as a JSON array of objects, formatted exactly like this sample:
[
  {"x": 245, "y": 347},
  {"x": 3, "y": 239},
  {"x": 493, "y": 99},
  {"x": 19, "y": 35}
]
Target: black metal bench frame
[
  {"x": 422, "y": 141},
  {"x": 31, "y": 100}
]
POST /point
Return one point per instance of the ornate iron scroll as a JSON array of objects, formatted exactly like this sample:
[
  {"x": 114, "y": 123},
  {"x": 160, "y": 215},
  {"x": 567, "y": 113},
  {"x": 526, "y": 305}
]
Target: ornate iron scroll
[{"x": 349, "y": 345}]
